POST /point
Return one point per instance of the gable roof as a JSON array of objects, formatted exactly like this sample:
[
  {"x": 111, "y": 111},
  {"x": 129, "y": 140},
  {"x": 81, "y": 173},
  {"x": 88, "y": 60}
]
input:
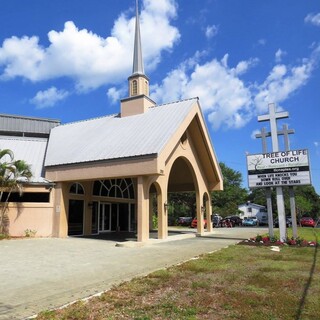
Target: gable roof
[
  {"x": 113, "y": 137},
  {"x": 254, "y": 205}
]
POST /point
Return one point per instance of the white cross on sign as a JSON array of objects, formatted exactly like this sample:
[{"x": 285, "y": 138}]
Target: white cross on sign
[{"x": 272, "y": 117}]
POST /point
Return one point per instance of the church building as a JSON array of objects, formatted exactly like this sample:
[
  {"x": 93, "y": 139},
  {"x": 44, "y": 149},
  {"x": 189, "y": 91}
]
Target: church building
[{"x": 100, "y": 175}]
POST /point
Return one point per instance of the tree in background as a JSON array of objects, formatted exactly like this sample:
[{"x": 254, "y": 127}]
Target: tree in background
[
  {"x": 226, "y": 202},
  {"x": 307, "y": 202},
  {"x": 306, "y": 198},
  {"x": 13, "y": 173}
]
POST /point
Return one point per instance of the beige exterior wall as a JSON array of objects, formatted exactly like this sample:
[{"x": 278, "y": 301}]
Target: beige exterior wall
[
  {"x": 38, "y": 217},
  {"x": 135, "y": 105},
  {"x": 111, "y": 169}
]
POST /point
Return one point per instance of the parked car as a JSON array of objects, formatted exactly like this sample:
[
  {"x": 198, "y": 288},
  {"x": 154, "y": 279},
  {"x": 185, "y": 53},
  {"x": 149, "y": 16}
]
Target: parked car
[
  {"x": 288, "y": 222},
  {"x": 250, "y": 222},
  {"x": 216, "y": 219},
  {"x": 307, "y": 222},
  {"x": 264, "y": 221},
  {"x": 184, "y": 221},
  {"x": 194, "y": 223}
]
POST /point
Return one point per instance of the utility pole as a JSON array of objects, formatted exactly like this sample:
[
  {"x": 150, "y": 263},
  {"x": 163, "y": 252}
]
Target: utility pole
[
  {"x": 272, "y": 117},
  {"x": 263, "y": 135}
]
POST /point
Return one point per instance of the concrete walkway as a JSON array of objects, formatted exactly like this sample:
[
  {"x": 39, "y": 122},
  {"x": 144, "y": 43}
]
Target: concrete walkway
[{"x": 42, "y": 274}]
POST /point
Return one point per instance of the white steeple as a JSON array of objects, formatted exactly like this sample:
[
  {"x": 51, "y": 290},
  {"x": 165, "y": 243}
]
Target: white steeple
[
  {"x": 137, "y": 53},
  {"x": 138, "y": 101}
]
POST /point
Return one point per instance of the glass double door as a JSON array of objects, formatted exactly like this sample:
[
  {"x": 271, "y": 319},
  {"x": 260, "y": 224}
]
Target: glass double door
[{"x": 114, "y": 217}]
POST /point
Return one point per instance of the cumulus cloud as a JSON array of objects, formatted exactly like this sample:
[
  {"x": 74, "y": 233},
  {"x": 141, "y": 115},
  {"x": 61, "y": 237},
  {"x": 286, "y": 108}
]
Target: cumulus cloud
[
  {"x": 283, "y": 81},
  {"x": 48, "y": 98},
  {"x": 279, "y": 54},
  {"x": 114, "y": 94},
  {"x": 262, "y": 42},
  {"x": 225, "y": 97},
  {"x": 313, "y": 18},
  {"x": 211, "y": 31},
  {"x": 254, "y": 133},
  {"x": 87, "y": 58}
]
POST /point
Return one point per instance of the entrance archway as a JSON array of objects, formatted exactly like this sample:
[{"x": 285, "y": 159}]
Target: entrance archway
[{"x": 182, "y": 189}]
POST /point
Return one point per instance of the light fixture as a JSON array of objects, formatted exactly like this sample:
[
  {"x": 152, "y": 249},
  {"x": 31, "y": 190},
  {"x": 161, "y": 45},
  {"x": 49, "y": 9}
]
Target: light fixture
[
  {"x": 203, "y": 209},
  {"x": 166, "y": 206}
]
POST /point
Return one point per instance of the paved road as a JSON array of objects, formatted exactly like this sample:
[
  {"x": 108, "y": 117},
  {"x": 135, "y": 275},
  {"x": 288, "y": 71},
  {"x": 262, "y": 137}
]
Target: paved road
[{"x": 41, "y": 274}]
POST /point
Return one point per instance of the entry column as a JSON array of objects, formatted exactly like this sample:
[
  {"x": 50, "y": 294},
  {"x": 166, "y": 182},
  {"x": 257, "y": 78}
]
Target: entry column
[{"x": 142, "y": 211}]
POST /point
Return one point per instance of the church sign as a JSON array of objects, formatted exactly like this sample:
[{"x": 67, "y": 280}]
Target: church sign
[{"x": 279, "y": 169}]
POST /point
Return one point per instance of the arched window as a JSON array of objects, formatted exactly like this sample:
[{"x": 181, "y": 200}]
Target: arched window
[
  {"x": 76, "y": 188},
  {"x": 114, "y": 188},
  {"x": 146, "y": 88},
  {"x": 134, "y": 87}
]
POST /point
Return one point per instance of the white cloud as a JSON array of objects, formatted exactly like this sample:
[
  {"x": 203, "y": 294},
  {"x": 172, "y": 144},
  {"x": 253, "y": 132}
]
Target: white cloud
[
  {"x": 279, "y": 54},
  {"x": 316, "y": 144},
  {"x": 283, "y": 81},
  {"x": 89, "y": 59},
  {"x": 115, "y": 94},
  {"x": 48, "y": 98},
  {"x": 227, "y": 100},
  {"x": 253, "y": 134},
  {"x": 313, "y": 18},
  {"x": 262, "y": 42},
  {"x": 243, "y": 66},
  {"x": 211, "y": 31},
  {"x": 224, "y": 97}
]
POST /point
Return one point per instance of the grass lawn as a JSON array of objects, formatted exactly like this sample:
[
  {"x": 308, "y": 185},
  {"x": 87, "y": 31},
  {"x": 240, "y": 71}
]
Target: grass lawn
[{"x": 239, "y": 282}]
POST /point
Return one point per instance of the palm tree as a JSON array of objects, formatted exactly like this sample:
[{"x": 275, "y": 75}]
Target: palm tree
[{"x": 13, "y": 174}]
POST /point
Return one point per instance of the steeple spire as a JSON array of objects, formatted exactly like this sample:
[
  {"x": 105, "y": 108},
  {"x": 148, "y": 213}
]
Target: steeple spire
[
  {"x": 138, "y": 101},
  {"x": 137, "y": 54}
]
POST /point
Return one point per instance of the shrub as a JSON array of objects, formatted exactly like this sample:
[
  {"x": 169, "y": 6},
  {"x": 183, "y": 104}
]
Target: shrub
[{"x": 30, "y": 233}]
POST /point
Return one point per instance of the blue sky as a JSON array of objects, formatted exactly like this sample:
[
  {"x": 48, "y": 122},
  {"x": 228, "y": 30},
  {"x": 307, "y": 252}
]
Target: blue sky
[{"x": 70, "y": 60}]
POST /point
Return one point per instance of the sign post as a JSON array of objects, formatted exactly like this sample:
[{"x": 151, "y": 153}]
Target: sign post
[
  {"x": 285, "y": 131},
  {"x": 272, "y": 117},
  {"x": 263, "y": 135}
]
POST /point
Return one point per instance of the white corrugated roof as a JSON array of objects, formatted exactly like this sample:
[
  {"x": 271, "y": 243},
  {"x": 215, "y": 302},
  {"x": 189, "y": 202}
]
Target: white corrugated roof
[
  {"x": 31, "y": 150},
  {"x": 113, "y": 137}
]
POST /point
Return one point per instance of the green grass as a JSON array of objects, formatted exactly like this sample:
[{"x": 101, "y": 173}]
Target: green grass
[
  {"x": 310, "y": 234},
  {"x": 230, "y": 284}
]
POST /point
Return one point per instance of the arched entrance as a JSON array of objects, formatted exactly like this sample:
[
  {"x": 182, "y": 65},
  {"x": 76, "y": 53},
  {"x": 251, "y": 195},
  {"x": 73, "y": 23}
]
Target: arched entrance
[{"x": 183, "y": 190}]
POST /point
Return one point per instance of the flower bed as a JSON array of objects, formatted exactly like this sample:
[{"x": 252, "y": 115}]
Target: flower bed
[{"x": 274, "y": 241}]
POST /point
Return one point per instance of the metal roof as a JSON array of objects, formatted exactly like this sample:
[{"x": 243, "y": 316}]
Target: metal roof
[
  {"x": 19, "y": 125},
  {"x": 31, "y": 150},
  {"x": 113, "y": 137}
]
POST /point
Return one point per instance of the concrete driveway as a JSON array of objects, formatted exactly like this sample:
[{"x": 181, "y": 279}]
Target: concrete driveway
[{"x": 42, "y": 274}]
